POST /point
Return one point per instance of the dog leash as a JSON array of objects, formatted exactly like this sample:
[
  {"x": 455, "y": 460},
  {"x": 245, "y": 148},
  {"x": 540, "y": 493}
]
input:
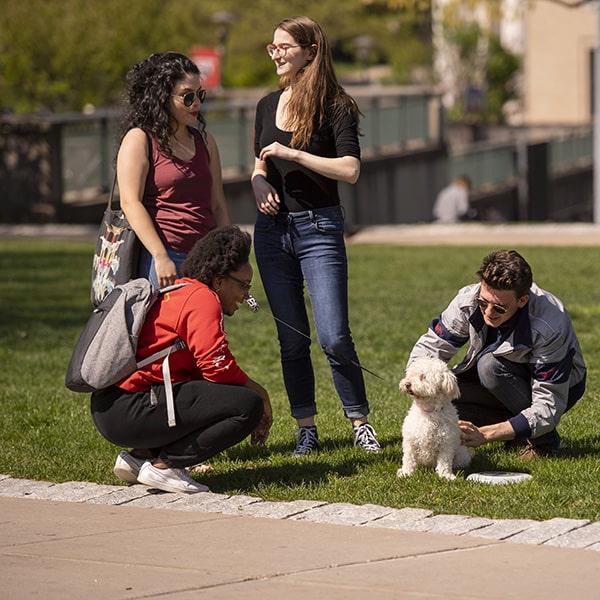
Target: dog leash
[{"x": 254, "y": 307}]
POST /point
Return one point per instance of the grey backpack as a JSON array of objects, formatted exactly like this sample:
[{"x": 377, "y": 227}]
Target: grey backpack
[{"x": 105, "y": 351}]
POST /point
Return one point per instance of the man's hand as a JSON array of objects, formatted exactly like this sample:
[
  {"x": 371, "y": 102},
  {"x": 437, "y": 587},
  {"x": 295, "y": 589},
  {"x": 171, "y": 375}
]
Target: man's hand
[
  {"x": 470, "y": 435},
  {"x": 473, "y": 436}
]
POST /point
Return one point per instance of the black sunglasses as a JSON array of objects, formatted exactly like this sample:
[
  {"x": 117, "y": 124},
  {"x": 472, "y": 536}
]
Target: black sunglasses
[
  {"x": 189, "y": 97},
  {"x": 497, "y": 308}
]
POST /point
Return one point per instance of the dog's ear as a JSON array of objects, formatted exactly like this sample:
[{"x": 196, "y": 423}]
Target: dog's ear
[{"x": 450, "y": 385}]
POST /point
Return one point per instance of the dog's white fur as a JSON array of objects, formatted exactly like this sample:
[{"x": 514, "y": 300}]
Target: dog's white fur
[{"x": 430, "y": 433}]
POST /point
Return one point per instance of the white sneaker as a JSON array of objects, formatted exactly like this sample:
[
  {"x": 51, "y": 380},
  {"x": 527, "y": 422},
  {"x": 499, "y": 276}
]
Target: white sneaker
[
  {"x": 127, "y": 467},
  {"x": 169, "y": 480}
]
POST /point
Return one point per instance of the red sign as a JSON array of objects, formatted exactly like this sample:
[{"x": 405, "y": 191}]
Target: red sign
[{"x": 208, "y": 62}]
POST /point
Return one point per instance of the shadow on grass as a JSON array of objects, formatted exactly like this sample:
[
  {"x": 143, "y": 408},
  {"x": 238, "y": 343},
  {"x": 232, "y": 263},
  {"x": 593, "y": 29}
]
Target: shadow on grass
[
  {"x": 248, "y": 452},
  {"x": 285, "y": 469},
  {"x": 581, "y": 447},
  {"x": 294, "y": 473}
]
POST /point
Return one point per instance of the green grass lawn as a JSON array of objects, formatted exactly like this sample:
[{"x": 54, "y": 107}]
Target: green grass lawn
[{"x": 46, "y": 431}]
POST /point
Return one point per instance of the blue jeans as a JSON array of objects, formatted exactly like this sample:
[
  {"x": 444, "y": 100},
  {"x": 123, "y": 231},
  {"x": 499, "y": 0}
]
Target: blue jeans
[
  {"x": 308, "y": 246},
  {"x": 146, "y": 264}
]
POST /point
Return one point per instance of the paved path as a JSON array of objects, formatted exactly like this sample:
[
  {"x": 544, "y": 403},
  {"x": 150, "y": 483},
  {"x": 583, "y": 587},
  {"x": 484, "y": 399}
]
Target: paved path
[
  {"x": 475, "y": 234},
  {"x": 481, "y": 234},
  {"x": 82, "y": 540}
]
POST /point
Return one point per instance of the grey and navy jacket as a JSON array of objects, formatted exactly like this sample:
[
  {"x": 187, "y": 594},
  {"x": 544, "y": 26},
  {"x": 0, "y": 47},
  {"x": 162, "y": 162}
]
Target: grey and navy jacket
[{"x": 543, "y": 338}]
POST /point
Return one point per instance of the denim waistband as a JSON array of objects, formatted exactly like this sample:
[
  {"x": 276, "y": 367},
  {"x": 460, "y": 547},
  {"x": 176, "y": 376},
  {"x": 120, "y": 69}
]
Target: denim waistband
[{"x": 310, "y": 214}]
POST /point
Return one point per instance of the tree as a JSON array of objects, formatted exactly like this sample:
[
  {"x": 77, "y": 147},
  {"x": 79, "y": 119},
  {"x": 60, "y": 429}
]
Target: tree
[
  {"x": 477, "y": 72},
  {"x": 62, "y": 55}
]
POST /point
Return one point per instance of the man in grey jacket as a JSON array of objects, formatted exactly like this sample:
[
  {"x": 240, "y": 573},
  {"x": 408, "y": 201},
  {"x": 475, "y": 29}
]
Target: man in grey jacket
[{"x": 523, "y": 368}]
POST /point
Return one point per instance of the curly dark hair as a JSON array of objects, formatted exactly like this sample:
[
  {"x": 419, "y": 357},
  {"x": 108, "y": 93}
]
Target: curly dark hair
[
  {"x": 506, "y": 270},
  {"x": 219, "y": 252},
  {"x": 150, "y": 83}
]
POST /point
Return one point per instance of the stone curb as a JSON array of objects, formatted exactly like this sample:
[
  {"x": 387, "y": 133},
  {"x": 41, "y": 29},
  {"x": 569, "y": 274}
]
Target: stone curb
[{"x": 564, "y": 533}]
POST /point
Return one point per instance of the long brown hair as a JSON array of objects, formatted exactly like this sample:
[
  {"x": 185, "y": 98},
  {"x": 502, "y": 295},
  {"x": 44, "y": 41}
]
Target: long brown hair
[{"x": 316, "y": 94}]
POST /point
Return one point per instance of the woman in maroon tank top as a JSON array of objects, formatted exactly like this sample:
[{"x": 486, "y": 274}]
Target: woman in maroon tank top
[{"x": 168, "y": 165}]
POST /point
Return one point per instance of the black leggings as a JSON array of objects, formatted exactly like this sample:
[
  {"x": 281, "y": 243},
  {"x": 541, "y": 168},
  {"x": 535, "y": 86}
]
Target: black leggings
[{"x": 210, "y": 418}]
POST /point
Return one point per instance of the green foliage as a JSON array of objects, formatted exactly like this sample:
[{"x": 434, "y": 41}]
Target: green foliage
[
  {"x": 62, "y": 55},
  {"x": 486, "y": 73},
  {"x": 59, "y": 56},
  {"x": 501, "y": 69},
  {"x": 46, "y": 431},
  {"x": 465, "y": 37}
]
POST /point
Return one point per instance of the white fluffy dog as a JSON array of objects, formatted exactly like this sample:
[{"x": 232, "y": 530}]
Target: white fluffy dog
[{"x": 430, "y": 433}]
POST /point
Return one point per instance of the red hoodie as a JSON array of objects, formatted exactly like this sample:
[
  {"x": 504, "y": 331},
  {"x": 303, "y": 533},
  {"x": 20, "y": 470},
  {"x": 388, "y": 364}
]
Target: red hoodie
[{"x": 192, "y": 313}]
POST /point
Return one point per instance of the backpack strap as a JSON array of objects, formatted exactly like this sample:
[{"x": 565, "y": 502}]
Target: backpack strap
[
  {"x": 179, "y": 344},
  {"x": 166, "y": 371},
  {"x": 170, "y": 288}
]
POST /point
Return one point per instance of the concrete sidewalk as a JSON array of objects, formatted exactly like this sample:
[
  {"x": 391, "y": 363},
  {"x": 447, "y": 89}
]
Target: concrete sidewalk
[
  {"x": 61, "y": 550},
  {"x": 489, "y": 235}
]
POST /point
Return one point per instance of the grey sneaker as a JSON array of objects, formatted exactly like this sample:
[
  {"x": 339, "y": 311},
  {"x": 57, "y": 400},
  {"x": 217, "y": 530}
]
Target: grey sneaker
[
  {"x": 366, "y": 438},
  {"x": 127, "y": 467},
  {"x": 307, "y": 440},
  {"x": 169, "y": 480}
]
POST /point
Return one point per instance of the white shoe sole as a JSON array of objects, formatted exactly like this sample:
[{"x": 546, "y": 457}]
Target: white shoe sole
[
  {"x": 125, "y": 475},
  {"x": 125, "y": 471},
  {"x": 167, "y": 486}
]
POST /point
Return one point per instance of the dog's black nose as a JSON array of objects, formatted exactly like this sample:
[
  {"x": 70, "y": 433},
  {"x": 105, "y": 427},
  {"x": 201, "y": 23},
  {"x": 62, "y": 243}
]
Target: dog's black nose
[{"x": 407, "y": 385}]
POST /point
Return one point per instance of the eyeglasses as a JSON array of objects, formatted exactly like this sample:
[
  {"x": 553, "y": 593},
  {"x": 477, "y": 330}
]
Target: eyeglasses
[
  {"x": 282, "y": 49},
  {"x": 497, "y": 308},
  {"x": 189, "y": 97},
  {"x": 244, "y": 284}
]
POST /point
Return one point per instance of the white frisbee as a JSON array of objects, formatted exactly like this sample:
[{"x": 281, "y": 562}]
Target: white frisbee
[{"x": 499, "y": 477}]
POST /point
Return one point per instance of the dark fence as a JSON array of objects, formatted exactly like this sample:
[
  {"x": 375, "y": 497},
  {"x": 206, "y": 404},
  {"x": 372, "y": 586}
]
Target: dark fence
[{"x": 60, "y": 167}]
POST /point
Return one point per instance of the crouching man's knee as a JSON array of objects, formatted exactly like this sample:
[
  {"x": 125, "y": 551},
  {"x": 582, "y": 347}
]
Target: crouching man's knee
[{"x": 490, "y": 371}]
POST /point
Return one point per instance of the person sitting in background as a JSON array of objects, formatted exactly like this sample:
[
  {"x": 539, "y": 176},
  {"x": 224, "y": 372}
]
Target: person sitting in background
[
  {"x": 523, "y": 368},
  {"x": 452, "y": 203},
  {"x": 216, "y": 404}
]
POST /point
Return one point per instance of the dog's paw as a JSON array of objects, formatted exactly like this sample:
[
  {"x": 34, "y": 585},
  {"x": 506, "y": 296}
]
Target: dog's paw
[
  {"x": 447, "y": 476},
  {"x": 403, "y": 472}
]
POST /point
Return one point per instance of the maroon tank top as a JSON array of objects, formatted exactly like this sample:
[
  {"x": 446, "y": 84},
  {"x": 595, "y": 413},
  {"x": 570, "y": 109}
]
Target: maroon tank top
[{"x": 178, "y": 194}]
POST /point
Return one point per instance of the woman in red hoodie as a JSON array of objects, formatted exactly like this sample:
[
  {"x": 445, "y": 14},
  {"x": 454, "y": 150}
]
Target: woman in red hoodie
[{"x": 216, "y": 404}]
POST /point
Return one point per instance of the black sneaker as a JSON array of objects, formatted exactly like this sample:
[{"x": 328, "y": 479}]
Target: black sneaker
[
  {"x": 366, "y": 438},
  {"x": 307, "y": 440}
]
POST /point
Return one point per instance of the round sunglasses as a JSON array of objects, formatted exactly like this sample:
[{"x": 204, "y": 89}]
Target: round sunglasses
[
  {"x": 497, "y": 308},
  {"x": 189, "y": 97}
]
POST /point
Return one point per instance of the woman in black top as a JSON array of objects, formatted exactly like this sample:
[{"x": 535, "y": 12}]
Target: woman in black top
[{"x": 306, "y": 140}]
